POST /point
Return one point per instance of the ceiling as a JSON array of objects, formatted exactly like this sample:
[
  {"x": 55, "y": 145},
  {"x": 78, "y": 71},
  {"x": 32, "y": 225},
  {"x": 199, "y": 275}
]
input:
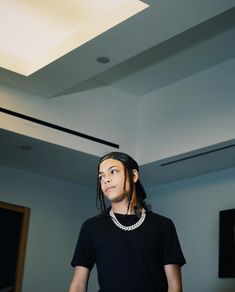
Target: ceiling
[
  {"x": 153, "y": 41},
  {"x": 35, "y": 33},
  {"x": 145, "y": 53}
]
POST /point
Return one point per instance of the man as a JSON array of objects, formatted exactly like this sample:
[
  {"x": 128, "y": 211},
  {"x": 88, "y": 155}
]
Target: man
[{"x": 134, "y": 249}]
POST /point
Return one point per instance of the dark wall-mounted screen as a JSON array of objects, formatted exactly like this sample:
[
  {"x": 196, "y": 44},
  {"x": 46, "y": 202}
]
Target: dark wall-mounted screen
[{"x": 227, "y": 244}]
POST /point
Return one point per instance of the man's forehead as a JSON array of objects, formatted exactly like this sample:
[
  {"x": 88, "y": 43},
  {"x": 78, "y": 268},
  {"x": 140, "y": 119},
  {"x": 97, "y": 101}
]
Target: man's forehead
[{"x": 109, "y": 163}]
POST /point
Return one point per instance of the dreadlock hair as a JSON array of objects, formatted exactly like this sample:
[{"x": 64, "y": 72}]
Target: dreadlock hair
[{"x": 129, "y": 165}]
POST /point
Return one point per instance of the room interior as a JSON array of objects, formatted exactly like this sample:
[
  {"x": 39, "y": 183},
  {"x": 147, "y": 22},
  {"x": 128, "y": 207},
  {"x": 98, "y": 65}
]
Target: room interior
[{"x": 158, "y": 85}]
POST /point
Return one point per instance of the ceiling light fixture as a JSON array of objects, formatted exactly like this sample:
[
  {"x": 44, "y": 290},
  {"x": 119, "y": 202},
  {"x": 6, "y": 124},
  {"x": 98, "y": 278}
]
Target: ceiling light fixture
[
  {"x": 26, "y": 148},
  {"x": 34, "y": 34},
  {"x": 103, "y": 60}
]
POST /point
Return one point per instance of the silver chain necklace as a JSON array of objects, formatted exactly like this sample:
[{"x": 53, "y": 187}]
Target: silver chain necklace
[{"x": 127, "y": 228}]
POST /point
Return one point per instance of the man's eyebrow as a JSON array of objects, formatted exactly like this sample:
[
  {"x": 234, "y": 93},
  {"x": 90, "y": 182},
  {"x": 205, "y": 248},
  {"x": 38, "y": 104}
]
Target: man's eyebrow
[{"x": 109, "y": 168}]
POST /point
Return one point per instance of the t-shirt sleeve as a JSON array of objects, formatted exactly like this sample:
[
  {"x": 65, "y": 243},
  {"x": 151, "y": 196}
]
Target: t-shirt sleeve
[
  {"x": 84, "y": 254},
  {"x": 172, "y": 252}
]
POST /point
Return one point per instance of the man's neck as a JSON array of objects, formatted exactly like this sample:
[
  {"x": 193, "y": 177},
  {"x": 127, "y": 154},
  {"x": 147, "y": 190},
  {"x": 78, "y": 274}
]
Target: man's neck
[{"x": 121, "y": 208}]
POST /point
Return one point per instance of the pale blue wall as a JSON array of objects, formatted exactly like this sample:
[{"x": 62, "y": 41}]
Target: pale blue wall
[
  {"x": 194, "y": 206},
  {"x": 58, "y": 209}
]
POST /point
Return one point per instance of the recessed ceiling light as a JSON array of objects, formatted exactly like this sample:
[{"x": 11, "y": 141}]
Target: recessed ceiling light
[
  {"x": 26, "y": 147},
  {"x": 102, "y": 60}
]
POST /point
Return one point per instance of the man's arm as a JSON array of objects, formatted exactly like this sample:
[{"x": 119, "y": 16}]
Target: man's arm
[
  {"x": 80, "y": 279},
  {"x": 173, "y": 275}
]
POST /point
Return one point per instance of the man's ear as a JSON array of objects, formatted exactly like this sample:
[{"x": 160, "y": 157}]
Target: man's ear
[{"x": 135, "y": 175}]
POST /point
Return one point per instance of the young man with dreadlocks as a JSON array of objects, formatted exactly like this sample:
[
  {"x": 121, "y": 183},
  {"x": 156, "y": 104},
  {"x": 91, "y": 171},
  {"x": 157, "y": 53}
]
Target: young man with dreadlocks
[{"x": 135, "y": 250}]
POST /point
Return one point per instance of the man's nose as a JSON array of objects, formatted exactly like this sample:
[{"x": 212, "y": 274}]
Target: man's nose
[{"x": 107, "y": 179}]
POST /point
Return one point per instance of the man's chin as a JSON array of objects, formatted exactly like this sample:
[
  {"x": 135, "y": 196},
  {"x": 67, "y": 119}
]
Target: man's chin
[{"x": 119, "y": 199}]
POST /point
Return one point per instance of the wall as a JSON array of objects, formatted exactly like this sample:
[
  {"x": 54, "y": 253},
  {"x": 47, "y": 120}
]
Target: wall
[
  {"x": 194, "y": 206},
  {"x": 101, "y": 112},
  {"x": 195, "y": 112},
  {"x": 58, "y": 209},
  {"x": 187, "y": 115}
]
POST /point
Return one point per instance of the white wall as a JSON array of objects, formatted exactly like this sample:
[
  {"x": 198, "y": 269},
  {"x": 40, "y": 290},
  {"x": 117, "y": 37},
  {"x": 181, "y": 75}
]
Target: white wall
[
  {"x": 104, "y": 113},
  {"x": 187, "y": 115},
  {"x": 58, "y": 209},
  {"x": 194, "y": 206},
  {"x": 195, "y": 112}
]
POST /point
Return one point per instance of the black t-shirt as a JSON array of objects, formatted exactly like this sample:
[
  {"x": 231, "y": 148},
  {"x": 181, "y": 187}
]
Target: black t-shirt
[{"x": 129, "y": 260}]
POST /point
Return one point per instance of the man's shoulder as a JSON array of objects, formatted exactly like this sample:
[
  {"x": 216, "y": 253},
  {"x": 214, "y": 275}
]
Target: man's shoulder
[
  {"x": 95, "y": 226},
  {"x": 95, "y": 220},
  {"x": 159, "y": 218}
]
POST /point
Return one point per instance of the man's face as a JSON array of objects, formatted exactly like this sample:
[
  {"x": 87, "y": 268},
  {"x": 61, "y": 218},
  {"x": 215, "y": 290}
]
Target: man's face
[{"x": 112, "y": 180}]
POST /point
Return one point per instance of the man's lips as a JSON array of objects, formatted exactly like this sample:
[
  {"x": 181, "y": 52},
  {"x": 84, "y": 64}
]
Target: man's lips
[{"x": 109, "y": 189}]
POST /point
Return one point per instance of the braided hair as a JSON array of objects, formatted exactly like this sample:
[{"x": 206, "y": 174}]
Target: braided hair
[{"x": 129, "y": 165}]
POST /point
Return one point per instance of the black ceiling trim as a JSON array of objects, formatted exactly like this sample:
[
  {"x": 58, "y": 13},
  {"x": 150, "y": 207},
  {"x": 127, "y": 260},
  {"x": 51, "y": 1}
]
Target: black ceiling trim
[
  {"x": 56, "y": 127},
  {"x": 197, "y": 155}
]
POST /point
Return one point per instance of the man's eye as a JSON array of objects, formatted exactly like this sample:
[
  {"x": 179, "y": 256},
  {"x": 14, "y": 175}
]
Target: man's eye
[
  {"x": 101, "y": 177},
  {"x": 113, "y": 171}
]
